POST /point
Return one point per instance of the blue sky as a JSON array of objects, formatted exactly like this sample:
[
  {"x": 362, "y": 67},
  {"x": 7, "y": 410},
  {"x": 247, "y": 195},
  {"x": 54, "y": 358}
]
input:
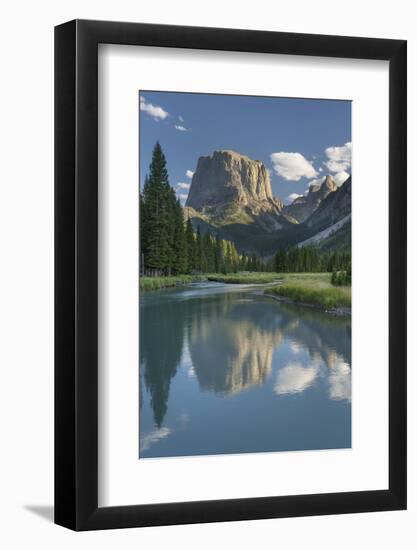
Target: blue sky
[{"x": 299, "y": 140}]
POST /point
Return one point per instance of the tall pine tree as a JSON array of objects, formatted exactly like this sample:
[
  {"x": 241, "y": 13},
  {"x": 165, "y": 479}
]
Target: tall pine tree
[
  {"x": 201, "y": 260},
  {"x": 157, "y": 216},
  {"x": 179, "y": 245},
  {"x": 191, "y": 247}
]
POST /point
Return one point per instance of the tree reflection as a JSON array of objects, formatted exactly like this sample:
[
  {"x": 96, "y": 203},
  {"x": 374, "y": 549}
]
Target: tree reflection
[{"x": 161, "y": 344}]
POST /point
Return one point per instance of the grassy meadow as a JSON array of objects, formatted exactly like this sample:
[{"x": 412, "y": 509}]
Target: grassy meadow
[
  {"x": 312, "y": 288},
  {"x": 248, "y": 278}
]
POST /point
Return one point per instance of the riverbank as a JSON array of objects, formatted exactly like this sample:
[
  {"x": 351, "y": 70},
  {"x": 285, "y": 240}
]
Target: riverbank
[
  {"x": 247, "y": 278},
  {"x": 305, "y": 289},
  {"x": 156, "y": 283},
  {"x": 313, "y": 290}
]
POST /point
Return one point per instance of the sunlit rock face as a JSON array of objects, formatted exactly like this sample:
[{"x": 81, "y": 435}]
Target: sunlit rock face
[
  {"x": 228, "y": 187},
  {"x": 226, "y": 176},
  {"x": 228, "y": 359}
]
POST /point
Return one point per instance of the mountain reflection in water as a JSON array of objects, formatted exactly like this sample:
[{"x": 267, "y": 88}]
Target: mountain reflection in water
[{"x": 225, "y": 369}]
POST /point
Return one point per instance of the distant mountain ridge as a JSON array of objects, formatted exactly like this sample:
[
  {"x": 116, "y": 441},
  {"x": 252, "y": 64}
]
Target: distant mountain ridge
[
  {"x": 302, "y": 207},
  {"x": 231, "y": 196},
  {"x": 333, "y": 208}
]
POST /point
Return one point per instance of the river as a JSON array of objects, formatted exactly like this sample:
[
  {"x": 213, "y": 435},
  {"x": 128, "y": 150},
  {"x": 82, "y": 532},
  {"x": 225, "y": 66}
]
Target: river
[{"x": 225, "y": 369}]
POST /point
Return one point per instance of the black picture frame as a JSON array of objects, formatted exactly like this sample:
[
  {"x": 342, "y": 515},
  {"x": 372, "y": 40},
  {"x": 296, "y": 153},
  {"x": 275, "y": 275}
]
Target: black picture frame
[{"x": 76, "y": 272}]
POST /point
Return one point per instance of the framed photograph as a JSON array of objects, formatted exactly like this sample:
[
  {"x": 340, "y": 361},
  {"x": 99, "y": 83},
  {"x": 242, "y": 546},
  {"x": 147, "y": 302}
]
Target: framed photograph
[{"x": 230, "y": 244}]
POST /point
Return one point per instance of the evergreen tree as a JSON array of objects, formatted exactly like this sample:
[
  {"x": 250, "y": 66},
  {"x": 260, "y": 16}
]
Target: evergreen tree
[
  {"x": 233, "y": 257},
  {"x": 142, "y": 233},
  {"x": 253, "y": 263},
  {"x": 280, "y": 263},
  {"x": 200, "y": 251},
  {"x": 174, "y": 223},
  {"x": 179, "y": 244},
  {"x": 191, "y": 247},
  {"x": 218, "y": 255},
  {"x": 209, "y": 253},
  {"x": 157, "y": 215}
]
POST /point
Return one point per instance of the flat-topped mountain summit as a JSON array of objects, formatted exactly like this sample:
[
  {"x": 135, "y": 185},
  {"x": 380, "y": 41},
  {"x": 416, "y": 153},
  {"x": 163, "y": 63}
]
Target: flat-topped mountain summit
[
  {"x": 227, "y": 184},
  {"x": 229, "y": 188},
  {"x": 228, "y": 176}
]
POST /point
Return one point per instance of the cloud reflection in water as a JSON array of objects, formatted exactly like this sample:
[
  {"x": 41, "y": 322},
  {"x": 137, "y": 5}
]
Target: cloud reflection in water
[{"x": 294, "y": 378}]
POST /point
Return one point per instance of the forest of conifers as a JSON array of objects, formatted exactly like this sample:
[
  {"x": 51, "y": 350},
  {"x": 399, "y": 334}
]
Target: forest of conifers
[{"x": 170, "y": 246}]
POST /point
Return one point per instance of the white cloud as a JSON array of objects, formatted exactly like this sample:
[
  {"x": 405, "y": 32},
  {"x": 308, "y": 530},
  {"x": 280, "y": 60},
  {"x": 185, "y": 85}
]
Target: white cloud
[
  {"x": 180, "y": 118},
  {"x": 154, "y": 111},
  {"x": 339, "y": 158},
  {"x": 181, "y": 128},
  {"x": 294, "y": 378},
  {"x": 189, "y": 174},
  {"x": 340, "y": 178},
  {"x": 293, "y": 196},
  {"x": 183, "y": 185},
  {"x": 292, "y": 166}
]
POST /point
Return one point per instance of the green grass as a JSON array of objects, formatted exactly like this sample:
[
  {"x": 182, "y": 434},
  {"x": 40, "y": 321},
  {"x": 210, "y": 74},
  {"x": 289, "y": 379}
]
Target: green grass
[
  {"x": 308, "y": 288},
  {"x": 312, "y": 288},
  {"x": 244, "y": 278},
  {"x": 155, "y": 283}
]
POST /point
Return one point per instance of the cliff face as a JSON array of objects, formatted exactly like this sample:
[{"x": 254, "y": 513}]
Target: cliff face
[
  {"x": 333, "y": 208},
  {"x": 302, "y": 207},
  {"x": 228, "y": 186}
]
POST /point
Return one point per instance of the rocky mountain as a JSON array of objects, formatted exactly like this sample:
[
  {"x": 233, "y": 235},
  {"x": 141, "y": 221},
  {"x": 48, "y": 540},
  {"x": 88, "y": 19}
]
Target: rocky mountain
[
  {"x": 333, "y": 208},
  {"x": 330, "y": 226},
  {"x": 229, "y": 188},
  {"x": 333, "y": 236},
  {"x": 302, "y": 207},
  {"x": 231, "y": 196}
]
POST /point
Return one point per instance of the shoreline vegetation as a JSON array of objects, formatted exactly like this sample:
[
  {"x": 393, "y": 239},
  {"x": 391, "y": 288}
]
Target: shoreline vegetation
[
  {"x": 314, "y": 290},
  {"x": 246, "y": 278},
  {"x": 308, "y": 289},
  {"x": 157, "y": 283}
]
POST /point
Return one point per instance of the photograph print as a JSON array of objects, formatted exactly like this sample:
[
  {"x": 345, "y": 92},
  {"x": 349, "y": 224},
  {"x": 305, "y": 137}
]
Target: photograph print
[{"x": 245, "y": 274}]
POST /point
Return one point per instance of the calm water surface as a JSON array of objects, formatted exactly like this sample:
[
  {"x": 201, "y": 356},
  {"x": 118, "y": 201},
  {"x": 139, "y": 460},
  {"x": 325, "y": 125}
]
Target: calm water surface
[{"x": 224, "y": 369}]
